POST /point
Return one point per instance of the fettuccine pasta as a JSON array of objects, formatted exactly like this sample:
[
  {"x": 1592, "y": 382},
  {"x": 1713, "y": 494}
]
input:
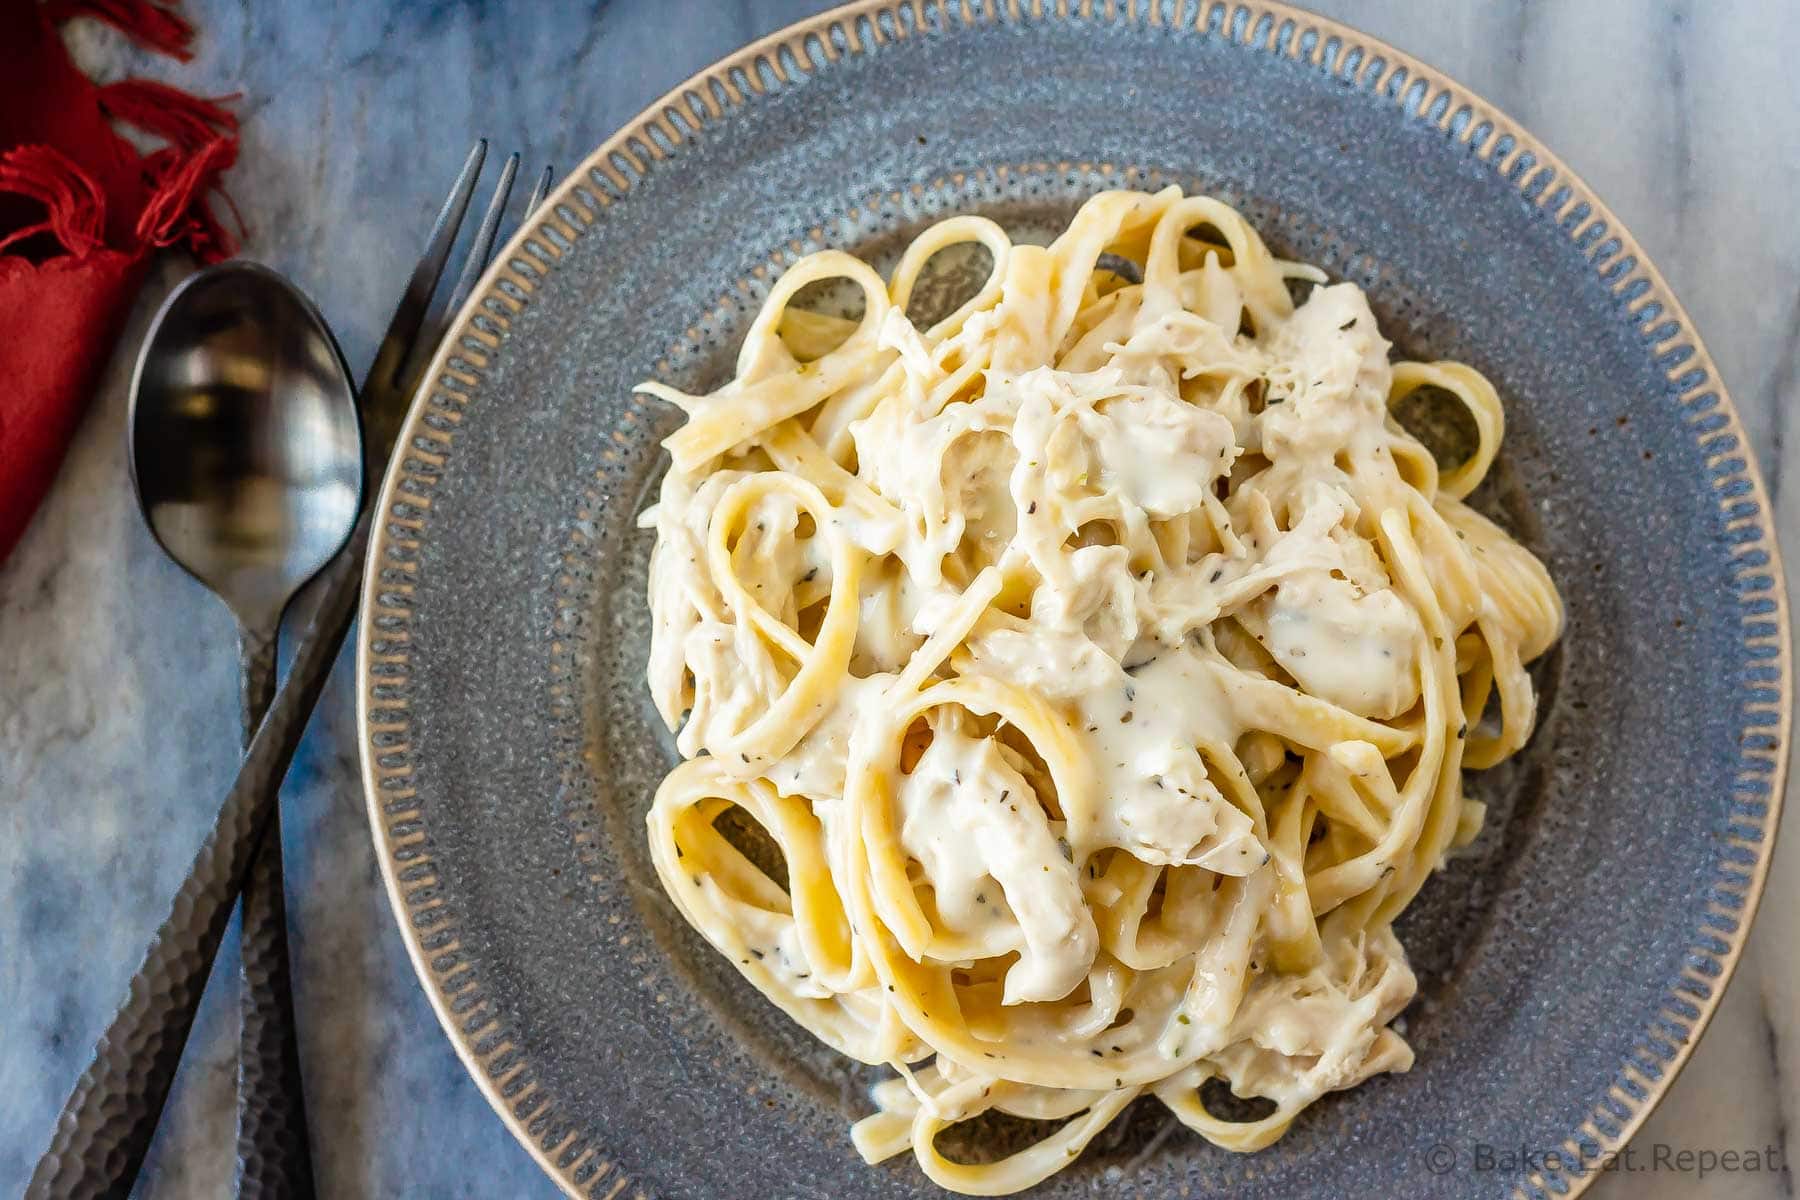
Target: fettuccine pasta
[{"x": 1103, "y": 660}]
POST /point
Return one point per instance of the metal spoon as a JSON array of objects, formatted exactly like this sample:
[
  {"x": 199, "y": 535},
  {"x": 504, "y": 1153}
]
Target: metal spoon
[{"x": 247, "y": 458}]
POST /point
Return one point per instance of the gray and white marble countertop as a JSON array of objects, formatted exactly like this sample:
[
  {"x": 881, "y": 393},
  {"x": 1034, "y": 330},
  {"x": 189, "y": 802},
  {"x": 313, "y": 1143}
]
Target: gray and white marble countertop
[{"x": 117, "y": 679}]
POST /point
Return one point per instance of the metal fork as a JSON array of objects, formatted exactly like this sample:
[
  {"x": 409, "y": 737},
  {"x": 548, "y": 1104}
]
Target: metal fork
[{"x": 105, "y": 1128}]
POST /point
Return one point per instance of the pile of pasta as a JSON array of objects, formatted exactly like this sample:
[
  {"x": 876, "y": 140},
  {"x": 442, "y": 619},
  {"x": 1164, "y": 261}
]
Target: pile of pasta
[{"x": 1103, "y": 660}]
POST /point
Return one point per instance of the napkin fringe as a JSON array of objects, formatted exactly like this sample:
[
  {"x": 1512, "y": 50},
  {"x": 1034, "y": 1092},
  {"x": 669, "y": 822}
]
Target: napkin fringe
[
  {"x": 177, "y": 211},
  {"x": 183, "y": 118},
  {"x": 203, "y": 144},
  {"x": 150, "y": 25},
  {"x": 74, "y": 205}
]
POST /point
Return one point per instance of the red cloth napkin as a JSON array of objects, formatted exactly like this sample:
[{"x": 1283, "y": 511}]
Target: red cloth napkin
[{"x": 81, "y": 212}]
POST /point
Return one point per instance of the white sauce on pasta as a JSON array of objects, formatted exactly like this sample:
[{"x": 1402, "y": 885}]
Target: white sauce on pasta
[{"x": 1103, "y": 659}]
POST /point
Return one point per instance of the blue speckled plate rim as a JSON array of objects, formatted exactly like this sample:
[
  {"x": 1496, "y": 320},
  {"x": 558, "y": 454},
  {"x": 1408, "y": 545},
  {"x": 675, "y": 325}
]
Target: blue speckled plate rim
[{"x": 1419, "y": 93}]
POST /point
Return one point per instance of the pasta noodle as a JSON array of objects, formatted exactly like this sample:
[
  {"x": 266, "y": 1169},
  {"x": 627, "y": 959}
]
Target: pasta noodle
[{"x": 1103, "y": 660}]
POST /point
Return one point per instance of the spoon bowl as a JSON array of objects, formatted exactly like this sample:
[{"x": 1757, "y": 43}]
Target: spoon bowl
[{"x": 246, "y": 451}]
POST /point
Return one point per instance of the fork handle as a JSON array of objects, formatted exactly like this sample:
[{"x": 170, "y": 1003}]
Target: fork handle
[
  {"x": 107, "y": 1123},
  {"x": 273, "y": 1158}
]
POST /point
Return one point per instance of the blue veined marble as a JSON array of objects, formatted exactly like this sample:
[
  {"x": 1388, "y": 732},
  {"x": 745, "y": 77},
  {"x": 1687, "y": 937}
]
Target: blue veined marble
[{"x": 117, "y": 677}]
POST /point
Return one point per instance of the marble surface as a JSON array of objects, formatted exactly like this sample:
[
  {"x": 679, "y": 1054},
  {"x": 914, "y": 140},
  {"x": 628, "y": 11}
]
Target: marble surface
[{"x": 117, "y": 688}]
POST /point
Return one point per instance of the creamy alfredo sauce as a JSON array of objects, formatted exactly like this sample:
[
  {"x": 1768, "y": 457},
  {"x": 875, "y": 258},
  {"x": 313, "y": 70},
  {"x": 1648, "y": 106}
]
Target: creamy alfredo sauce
[{"x": 1146, "y": 541}]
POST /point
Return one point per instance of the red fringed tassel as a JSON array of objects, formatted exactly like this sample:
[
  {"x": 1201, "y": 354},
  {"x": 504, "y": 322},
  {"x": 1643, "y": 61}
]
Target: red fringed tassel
[
  {"x": 177, "y": 209},
  {"x": 149, "y": 24},
  {"x": 186, "y": 120},
  {"x": 74, "y": 205}
]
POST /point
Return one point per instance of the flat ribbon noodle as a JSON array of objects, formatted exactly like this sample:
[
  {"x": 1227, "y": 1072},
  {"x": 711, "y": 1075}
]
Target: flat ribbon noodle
[{"x": 1104, "y": 660}]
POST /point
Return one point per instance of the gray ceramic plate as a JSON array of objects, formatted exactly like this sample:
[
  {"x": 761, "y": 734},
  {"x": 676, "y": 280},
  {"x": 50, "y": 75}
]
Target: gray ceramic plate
[{"x": 510, "y": 749}]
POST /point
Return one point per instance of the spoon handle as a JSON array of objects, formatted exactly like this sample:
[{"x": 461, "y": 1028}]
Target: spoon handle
[
  {"x": 273, "y": 1159},
  {"x": 256, "y": 676},
  {"x": 106, "y": 1126}
]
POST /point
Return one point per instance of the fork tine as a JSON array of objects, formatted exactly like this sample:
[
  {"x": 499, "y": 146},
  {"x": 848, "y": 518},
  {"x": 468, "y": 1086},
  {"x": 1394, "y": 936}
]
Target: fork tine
[
  {"x": 481, "y": 244},
  {"x": 539, "y": 192},
  {"x": 481, "y": 248},
  {"x": 409, "y": 314}
]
